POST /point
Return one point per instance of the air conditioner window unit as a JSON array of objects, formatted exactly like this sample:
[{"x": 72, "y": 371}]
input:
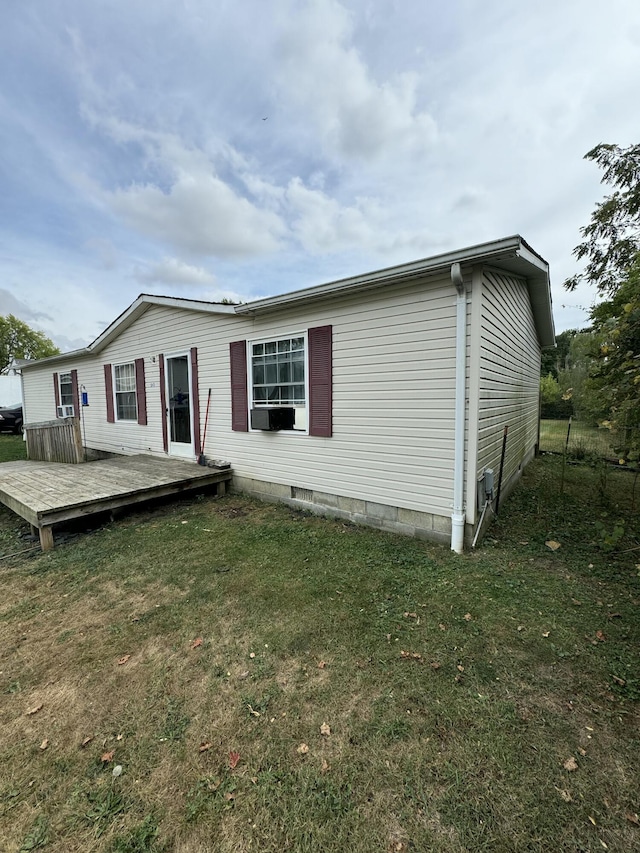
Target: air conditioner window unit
[
  {"x": 272, "y": 419},
  {"x": 65, "y": 411}
]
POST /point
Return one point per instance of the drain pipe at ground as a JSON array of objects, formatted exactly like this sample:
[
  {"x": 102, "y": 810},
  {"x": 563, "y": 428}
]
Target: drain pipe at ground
[{"x": 458, "y": 514}]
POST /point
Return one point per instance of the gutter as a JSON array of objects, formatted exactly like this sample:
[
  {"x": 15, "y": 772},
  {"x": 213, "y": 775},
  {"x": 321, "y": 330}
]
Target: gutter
[{"x": 458, "y": 514}]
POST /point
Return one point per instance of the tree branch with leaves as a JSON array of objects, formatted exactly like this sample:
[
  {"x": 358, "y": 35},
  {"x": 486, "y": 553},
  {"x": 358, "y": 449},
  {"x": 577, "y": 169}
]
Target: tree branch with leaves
[{"x": 18, "y": 340}]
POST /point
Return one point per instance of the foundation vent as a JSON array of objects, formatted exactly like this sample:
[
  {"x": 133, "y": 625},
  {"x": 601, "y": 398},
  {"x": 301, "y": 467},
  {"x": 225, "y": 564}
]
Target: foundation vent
[{"x": 301, "y": 494}]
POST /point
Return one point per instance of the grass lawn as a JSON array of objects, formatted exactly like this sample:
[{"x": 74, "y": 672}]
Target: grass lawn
[
  {"x": 12, "y": 448},
  {"x": 583, "y": 438},
  {"x": 271, "y": 681}
]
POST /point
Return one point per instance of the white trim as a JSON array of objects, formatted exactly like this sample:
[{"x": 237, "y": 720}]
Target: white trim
[
  {"x": 181, "y": 452},
  {"x": 473, "y": 411},
  {"x": 115, "y": 392},
  {"x": 249, "y": 355}
]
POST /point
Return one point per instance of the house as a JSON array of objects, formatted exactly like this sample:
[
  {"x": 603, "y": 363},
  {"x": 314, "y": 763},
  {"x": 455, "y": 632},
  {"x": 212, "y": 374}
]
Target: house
[{"x": 381, "y": 398}]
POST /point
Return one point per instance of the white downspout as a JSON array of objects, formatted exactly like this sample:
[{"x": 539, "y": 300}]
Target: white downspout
[{"x": 458, "y": 514}]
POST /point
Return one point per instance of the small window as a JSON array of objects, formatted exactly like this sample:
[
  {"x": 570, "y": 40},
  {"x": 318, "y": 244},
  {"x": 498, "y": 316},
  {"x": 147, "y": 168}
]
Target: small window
[
  {"x": 66, "y": 389},
  {"x": 124, "y": 386}
]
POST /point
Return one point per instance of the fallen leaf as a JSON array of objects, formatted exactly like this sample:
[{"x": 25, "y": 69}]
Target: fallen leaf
[
  {"x": 204, "y": 746},
  {"x": 410, "y": 655},
  {"x": 119, "y": 737},
  {"x": 123, "y": 659},
  {"x": 196, "y": 643},
  {"x": 442, "y": 626},
  {"x": 582, "y": 751},
  {"x": 45, "y": 743},
  {"x": 576, "y": 602},
  {"x": 566, "y": 796},
  {"x": 87, "y": 740},
  {"x": 107, "y": 756},
  {"x": 632, "y": 817},
  {"x": 408, "y": 615},
  {"x": 468, "y": 617},
  {"x": 322, "y": 664},
  {"x": 600, "y": 636},
  {"x": 234, "y": 757},
  {"x": 325, "y": 730},
  {"x": 460, "y": 668},
  {"x": 325, "y": 767},
  {"x": 244, "y": 674},
  {"x": 619, "y": 681},
  {"x": 33, "y": 710},
  {"x": 435, "y": 664},
  {"x": 303, "y": 749},
  {"x": 552, "y": 544},
  {"x": 570, "y": 764},
  {"x": 546, "y": 633},
  {"x": 229, "y": 796}
]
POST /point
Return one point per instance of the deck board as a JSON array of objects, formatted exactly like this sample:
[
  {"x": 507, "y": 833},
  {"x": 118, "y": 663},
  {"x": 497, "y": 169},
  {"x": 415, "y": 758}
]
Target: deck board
[{"x": 44, "y": 493}]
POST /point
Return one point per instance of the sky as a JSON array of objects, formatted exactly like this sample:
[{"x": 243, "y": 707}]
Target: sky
[{"x": 216, "y": 148}]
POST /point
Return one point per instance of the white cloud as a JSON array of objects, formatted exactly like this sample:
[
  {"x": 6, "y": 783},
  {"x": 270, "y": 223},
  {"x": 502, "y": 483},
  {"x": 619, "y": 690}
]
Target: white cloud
[
  {"x": 321, "y": 224},
  {"x": 173, "y": 271},
  {"x": 200, "y": 215},
  {"x": 323, "y": 74}
]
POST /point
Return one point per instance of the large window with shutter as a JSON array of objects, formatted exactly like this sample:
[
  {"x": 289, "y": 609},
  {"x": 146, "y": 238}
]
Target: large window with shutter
[{"x": 293, "y": 371}]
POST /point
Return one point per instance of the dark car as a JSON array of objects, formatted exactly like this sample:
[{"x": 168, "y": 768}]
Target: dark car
[{"x": 11, "y": 418}]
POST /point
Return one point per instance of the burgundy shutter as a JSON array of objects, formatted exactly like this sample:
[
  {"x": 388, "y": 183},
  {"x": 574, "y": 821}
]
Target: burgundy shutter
[
  {"x": 141, "y": 392},
  {"x": 56, "y": 391},
  {"x": 195, "y": 396},
  {"x": 75, "y": 393},
  {"x": 163, "y": 404},
  {"x": 108, "y": 387},
  {"x": 320, "y": 381},
  {"x": 239, "y": 395}
]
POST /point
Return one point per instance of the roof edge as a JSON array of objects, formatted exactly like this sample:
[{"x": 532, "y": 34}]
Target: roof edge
[{"x": 507, "y": 246}]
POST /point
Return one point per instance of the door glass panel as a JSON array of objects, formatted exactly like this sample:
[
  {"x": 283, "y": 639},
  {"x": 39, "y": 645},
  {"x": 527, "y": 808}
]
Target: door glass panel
[{"x": 178, "y": 394}]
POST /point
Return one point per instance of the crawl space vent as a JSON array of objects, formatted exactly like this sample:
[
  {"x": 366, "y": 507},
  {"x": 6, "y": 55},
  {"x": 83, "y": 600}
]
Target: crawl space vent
[{"x": 301, "y": 494}]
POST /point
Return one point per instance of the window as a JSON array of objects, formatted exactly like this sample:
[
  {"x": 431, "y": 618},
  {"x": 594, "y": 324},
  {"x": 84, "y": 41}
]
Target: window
[
  {"x": 124, "y": 377},
  {"x": 290, "y": 372},
  {"x": 66, "y": 389},
  {"x": 277, "y": 372}
]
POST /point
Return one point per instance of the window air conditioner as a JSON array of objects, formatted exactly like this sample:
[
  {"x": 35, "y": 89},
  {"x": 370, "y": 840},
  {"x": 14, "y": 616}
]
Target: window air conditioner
[
  {"x": 274, "y": 418},
  {"x": 65, "y": 411}
]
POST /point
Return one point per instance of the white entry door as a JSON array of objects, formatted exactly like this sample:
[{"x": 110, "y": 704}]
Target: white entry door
[{"x": 179, "y": 405}]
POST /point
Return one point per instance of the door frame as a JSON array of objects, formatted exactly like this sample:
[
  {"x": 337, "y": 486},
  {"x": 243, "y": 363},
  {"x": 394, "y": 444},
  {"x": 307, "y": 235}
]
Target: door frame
[{"x": 178, "y": 448}]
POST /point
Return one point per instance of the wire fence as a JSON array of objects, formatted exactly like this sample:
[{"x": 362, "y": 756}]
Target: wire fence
[{"x": 580, "y": 440}]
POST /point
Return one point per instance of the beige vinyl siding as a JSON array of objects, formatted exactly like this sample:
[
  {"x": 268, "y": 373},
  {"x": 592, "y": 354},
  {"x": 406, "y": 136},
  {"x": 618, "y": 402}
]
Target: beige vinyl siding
[
  {"x": 393, "y": 394},
  {"x": 509, "y": 375}
]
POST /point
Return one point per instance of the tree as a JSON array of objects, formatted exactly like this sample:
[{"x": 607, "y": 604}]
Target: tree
[
  {"x": 611, "y": 246},
  {"x": 575, "y": 378},
  {"x": 554, "y": 360},
  {"x": 617, "y": 369},
  {"x": 611, "y": 240},
  {"x": 18, "y": 340}
]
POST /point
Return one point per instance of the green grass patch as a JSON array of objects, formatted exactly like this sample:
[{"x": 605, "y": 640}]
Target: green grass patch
[
  {"x": 205, "y": 646},
  {"x": 12, "y": 448},
  {"x": 584, "y": 440}
]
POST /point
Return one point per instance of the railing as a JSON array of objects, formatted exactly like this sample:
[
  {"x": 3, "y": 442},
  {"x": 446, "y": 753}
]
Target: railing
[{"x": 55, "y": 441}]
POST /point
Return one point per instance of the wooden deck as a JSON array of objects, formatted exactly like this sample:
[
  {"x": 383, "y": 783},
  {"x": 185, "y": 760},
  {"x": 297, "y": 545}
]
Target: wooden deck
[{"x": 46, "y": 493}]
